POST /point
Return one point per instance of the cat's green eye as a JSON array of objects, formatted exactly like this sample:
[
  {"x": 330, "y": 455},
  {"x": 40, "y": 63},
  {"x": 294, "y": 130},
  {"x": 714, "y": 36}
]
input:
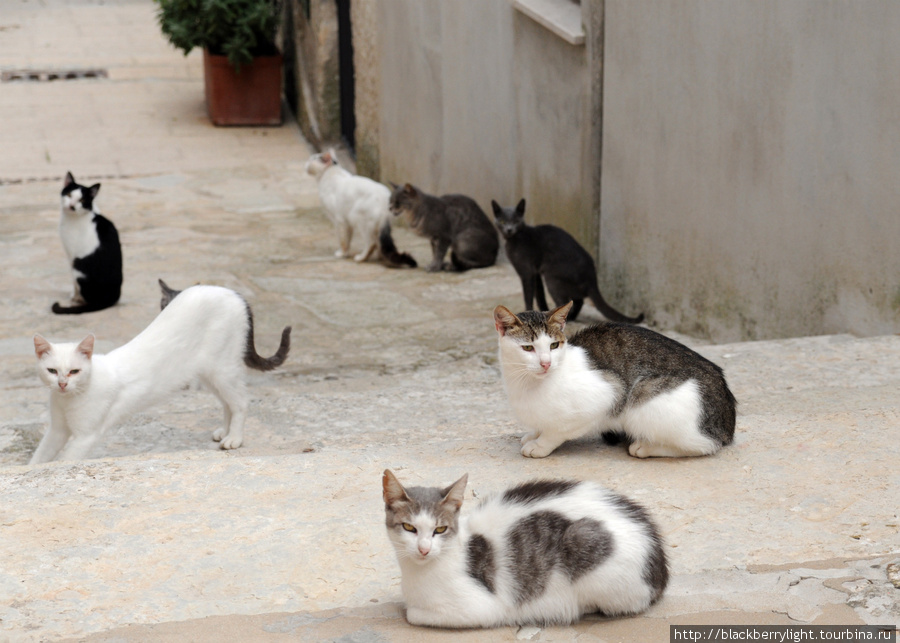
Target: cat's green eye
[
  {"x": 554, "y": 346},
  {"x": 75, "y": 371},
  {"x": 408, "y": 527},
  {"x": 528, "y": 348},
  {"x": 52, "y": 371},
  {"x": 440, "y": 530}
]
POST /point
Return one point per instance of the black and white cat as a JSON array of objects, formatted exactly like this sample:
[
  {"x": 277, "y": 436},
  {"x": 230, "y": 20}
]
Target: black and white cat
[
  {"x": 452, "y": 221},
  {"x": 668, "y": 400},
  {"x": 552, "y": 253},
  {"x": 544, "y": 552},
  {"x": 356, "y": 204},
  {"x": 204, "y": 334},
  {"x": 92, "y": 245}
]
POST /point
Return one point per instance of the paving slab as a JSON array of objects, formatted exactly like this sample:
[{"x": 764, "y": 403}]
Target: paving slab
[{"x": 161, "y": 536}]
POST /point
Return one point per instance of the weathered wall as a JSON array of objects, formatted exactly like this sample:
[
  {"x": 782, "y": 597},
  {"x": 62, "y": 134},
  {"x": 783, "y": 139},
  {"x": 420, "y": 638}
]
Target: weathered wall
[
  {"x": 751, "y": 154},
  {"x": 478, "y": 98},
  {"x": 311, "y": 67},
  {"x": 367, "y": 75}
]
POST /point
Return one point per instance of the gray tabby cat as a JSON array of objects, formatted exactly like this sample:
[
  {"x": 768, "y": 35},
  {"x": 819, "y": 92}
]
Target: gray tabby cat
[
  {"x": 611, "y": 378},
  {"x": 544, "y": 552},
  {"x": 452, "y": 221}
]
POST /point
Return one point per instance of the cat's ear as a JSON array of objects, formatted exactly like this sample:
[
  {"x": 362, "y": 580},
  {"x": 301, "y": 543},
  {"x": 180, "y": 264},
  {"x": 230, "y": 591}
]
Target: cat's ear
[
  {"x": 86, "y": 346},
  {"x": 394, "y": 186},
  {"x": 94, "y": 189},
  {"x": 69, "y": 180},
  {"x": 558, "y": 315},
  {"x": 521, "y": 207},
  {"x": 333, "y": 156},
  {"x": 495, "y": 207},
  {"x": 392, "y": 491},
  {"x": 41, "y": 346},
  {"x": 453, "y": 495},
  {"x": 504, "y": 320},
  {"x": 410, "y": 189},
  {"x": 168, "y": 294}
]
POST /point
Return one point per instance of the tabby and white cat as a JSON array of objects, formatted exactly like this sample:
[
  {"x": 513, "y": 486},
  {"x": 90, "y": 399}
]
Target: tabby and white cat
[
  {"x": 544, "y": 552},
  {"x": 204, "y": 334},
  {"x": 356, "y": 204},
  {"x": 668, "y": 400},
  {"x": 92, "y": 245}
]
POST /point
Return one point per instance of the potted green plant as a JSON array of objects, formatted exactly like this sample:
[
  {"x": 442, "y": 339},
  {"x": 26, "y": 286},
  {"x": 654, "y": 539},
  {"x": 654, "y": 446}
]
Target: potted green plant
[{"x": 241, "y": 62}]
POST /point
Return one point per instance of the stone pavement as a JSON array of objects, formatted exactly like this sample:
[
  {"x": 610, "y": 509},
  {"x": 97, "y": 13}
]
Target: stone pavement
[{"x": 163, "y": 537}]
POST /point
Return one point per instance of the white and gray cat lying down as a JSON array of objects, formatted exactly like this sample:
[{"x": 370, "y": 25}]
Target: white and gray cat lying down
[
  {"x": 543, "y": 552},
  {"x": 204, "y": 334}
]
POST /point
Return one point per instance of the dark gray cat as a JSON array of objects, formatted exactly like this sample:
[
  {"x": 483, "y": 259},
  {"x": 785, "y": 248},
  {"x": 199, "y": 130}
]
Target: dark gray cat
[
  {"x": 618, "y": 378},
  {"x": 552, "y": 253},
  {"x": 544, "y": 552},
  {"x": 451, "y": 221}
]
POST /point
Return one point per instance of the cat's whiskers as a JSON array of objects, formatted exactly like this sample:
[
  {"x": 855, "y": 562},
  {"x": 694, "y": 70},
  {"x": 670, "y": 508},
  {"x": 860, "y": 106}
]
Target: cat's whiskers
[{"x": 523, "y": 374}]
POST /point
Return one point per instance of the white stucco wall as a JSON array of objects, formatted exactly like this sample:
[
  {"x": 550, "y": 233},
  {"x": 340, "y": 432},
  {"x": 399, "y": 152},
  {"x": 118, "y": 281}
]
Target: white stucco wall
[{"x": 751, "y": 165}]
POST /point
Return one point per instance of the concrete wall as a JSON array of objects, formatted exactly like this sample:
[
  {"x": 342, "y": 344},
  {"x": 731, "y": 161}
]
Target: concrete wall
[
  {"x": 751, "y": 165},
  {"x": 477, "y": 98}
]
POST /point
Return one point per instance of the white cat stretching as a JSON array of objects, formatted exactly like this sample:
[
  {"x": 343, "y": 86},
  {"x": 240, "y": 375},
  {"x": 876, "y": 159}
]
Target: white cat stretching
[
  {"x": 356, "y": 204},
  {"x": 544, "y": 552},
  {"x": 611, "y": 377},
  {"x": 205, "y": 334}
]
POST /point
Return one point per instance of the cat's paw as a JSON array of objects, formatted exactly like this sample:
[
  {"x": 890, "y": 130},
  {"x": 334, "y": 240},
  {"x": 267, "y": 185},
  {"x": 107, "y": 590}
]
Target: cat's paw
[
  {"x": 227, "y": 441},
  {"x": 416, "y": 616},
  {"x": 419, "y": 616},
  {"x": 362, "y": 256},
  {"x": 231, "y": 442},
  {"x": 528, "y": 437},
  {"x": 340, "y": 254},
  {"x": 640, "y": 449},
  {"x": 534, "y": 449}
]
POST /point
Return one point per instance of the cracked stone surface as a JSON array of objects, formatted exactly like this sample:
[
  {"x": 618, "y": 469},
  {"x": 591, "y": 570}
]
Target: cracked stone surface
[{"x": 161, "y": 536}]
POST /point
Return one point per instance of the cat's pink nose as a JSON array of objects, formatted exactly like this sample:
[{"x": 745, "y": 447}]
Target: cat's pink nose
[
  {"x": 63, "y": 385},
  {"x": 545, "y": 366},
  {"x": 423, "y": 549}
]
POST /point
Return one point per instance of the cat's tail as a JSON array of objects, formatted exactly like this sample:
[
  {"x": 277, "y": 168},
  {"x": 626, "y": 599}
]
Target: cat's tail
[
  {"x": 254, "y": 360},
  {"x": 59, "y": 309},
  {"x": 609, "y": 312},
  {"x": 392, "y": 257}
]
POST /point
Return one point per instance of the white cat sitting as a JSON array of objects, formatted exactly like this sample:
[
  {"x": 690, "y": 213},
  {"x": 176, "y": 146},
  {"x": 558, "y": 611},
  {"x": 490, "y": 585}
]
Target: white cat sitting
[
  {"x": 356, "y": 204},
  {"x": 205, "y": 334}
]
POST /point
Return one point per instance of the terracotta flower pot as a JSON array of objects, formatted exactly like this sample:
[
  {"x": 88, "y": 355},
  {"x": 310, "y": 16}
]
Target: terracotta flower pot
[{"x": 251, "y": 96}]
